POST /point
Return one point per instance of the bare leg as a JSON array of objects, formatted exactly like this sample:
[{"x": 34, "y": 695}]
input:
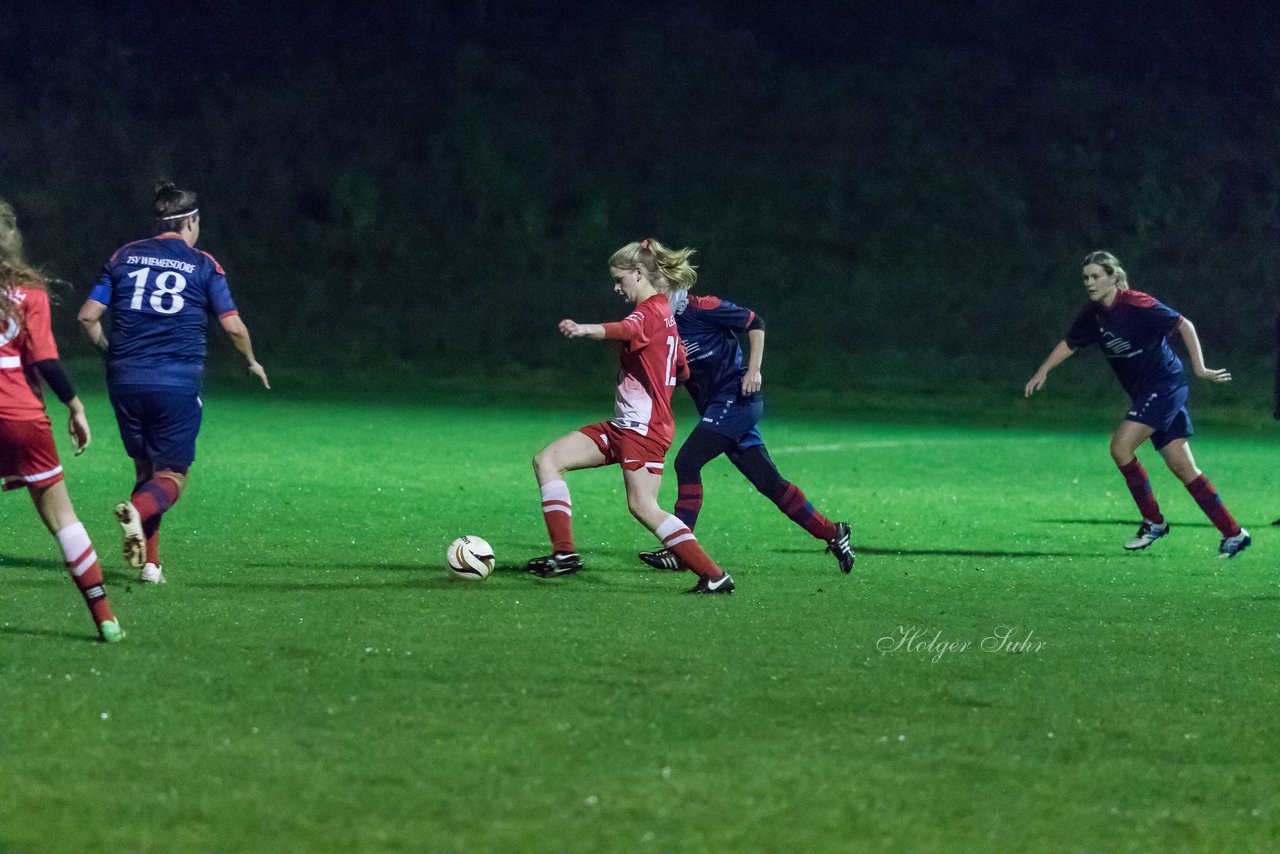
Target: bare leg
[
  {"x": 1177, "y": 455},
  {"x": 53, "y": 503},
  {"x": 642, "y": 497},
  {"x": 1126, "y": 439},
  {"x": 568, "y": 453},
  {"x": 642, "y": 500}
]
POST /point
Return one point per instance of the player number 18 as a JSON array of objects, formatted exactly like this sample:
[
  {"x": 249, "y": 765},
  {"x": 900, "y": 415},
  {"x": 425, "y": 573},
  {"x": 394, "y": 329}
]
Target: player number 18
[{"x": 168, "y": 284}]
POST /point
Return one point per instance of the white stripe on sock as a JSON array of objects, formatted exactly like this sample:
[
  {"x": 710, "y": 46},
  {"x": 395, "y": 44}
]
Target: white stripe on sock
[
  {"x": 74, "y": 541},
  {"x": 556, "y": 490},
  {"x": 672, "y": 532},
  {"x": 89, "y": 560},
  {"x": 669, "y": 526}
]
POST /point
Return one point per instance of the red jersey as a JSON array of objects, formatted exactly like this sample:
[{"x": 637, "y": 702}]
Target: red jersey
[
  {"x": 652, "y": 360},
  {"x": 24, "y": 340}
]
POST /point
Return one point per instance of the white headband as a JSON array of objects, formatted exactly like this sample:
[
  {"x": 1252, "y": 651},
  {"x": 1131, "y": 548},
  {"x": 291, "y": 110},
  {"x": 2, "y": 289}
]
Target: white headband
[{"x": 191, "y": 212}]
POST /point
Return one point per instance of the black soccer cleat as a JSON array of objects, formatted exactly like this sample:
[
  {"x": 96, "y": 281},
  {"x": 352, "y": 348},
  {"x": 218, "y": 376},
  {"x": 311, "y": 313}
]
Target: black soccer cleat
[
  {"x": 839, "y": 546},
  {"x": 663, "y": 559},
  {"x": 555, "y": 565},
  {"x": 723, "y": 584}
]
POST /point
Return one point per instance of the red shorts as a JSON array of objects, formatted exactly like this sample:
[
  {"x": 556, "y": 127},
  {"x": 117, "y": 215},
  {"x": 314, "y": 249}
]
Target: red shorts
[
  {"x": 627, "y": 448},
  {"x": 28, "y": 456}
]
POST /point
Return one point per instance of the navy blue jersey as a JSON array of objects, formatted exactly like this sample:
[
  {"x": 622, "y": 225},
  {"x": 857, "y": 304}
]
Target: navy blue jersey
[
  {"x": 1133, "y": 335},
  {"x": 708, "y": 327},
  {"x": 160, "y": 293}
]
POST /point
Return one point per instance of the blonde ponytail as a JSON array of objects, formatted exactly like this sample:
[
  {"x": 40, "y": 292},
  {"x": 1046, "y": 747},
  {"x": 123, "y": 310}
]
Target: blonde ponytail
[{"x": 658, "y": 262}]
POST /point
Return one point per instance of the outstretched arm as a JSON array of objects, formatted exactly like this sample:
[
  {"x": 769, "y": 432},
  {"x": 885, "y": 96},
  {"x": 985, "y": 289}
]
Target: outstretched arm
[
  {"x": 571, "y": 329},
  {"x": 90, "y": 318},
  {"x": 239, "y": 334},
  {"x": 1056, "y": 357},
  {"x": 1189, "y": 337}
]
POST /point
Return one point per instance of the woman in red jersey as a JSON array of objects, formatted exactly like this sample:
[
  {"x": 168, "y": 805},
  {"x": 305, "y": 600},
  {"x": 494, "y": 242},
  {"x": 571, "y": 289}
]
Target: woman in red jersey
[
  {"x": 638, "y": 436},
  {"x": 28, "y": 456}
]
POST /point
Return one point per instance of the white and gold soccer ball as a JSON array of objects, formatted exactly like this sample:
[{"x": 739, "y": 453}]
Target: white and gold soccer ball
[{"x": 470, "y": 558}]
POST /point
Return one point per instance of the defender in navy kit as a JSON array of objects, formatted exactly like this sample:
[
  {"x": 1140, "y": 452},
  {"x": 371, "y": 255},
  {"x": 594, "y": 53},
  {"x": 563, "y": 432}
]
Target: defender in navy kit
[
  {"x": 727, "y": 395},
  {"x": 1133, "y": 328}
]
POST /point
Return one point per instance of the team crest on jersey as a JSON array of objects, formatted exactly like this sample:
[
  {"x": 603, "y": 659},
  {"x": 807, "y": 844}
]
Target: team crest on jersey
[{"x": 1117, "y": 347}]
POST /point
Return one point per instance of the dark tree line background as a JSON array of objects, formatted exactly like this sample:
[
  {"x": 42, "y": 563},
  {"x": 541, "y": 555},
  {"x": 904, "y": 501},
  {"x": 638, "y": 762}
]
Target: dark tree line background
[{"x": 898, "y": 187}]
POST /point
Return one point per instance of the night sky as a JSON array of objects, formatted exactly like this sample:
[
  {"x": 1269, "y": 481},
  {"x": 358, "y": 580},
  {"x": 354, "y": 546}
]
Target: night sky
[{"x": 933, "y": 166}]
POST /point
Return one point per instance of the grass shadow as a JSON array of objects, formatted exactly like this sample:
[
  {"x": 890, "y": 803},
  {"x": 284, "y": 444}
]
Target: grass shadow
[
  {"x": 47, "y": 633},
  {"x": 302, "y": 586},
  {"x": 1128, "y": 522},
  {"x": 392, "y": 567},
  {"x": 863, "y": 550},
  {"x": 24, "y": 562},
  {"x": 954, "y": 552}
]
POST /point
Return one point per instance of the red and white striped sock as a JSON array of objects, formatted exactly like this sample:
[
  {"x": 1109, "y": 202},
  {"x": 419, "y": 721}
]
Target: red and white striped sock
[
  {"x": 82, "y": 563},
  {"x": 557, "y": 512},
  {"x": 677, "y": 537}
]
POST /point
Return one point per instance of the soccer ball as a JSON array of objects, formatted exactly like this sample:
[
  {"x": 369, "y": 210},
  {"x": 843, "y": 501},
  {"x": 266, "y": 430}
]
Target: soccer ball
[{"x": 470, "y": 558}]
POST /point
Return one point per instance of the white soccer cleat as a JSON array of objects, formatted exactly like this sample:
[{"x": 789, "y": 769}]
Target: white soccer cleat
[
  {"x": 1232, "y": 546},
  {"x": 1148, "y": 533},
  {"x": 135, "y": 544},
  {"x": 152, "y": 573}
]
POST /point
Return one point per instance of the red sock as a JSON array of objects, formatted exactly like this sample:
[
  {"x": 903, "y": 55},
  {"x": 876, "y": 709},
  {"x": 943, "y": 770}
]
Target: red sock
[
  {"x": 82, "y": 563},
  {"x": 557, "y": 512},
  {"x": 792, "y": 501},
  {"x": 679, "y": 539},
  {"x": 1207, "y": 497},
  {"x": 155, "y": 496},
  {"x": 1135, "y": 477},
  {"x": 151, "y": 530},
  {"x": 689, "y": 503}
]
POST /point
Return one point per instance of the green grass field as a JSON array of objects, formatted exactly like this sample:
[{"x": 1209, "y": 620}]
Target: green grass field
[{"x": 311, "y": 679}]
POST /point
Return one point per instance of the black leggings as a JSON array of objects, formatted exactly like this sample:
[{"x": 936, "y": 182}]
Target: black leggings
[{"x": 704, "y": 445}]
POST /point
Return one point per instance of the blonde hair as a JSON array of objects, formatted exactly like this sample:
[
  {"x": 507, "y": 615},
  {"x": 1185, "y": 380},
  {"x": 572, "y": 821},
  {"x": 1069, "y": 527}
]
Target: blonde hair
[
  {"x": 1111, "y": 264},
  {"x": 657, "y": 261},
  {"x": 14, "y": 269}
]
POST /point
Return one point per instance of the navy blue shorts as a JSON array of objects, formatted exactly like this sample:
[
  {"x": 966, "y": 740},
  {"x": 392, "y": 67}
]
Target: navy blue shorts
[
  {"x": 738, "y": 419},
  {"x": 1165, "y": 412},
  {"x": 159, "y": 426}
]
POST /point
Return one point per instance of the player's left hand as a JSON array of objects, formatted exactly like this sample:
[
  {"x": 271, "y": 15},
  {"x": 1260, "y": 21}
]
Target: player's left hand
[
  {"x": 751, "y": 383},
  {"x": 78, "y": 427},
  {"x": 1217, "y": 375},
  {"x": 261, "y": 373},
  {"x": 570, "y": 329}
]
